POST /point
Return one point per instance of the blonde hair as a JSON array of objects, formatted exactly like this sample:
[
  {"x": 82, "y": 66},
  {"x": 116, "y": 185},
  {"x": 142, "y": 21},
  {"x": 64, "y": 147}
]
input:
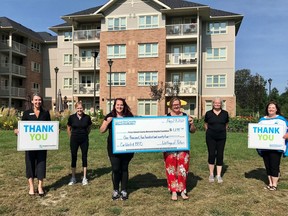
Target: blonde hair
[
  {"x": 217, "y": 98},
  {"x": 78, "y": 103}
]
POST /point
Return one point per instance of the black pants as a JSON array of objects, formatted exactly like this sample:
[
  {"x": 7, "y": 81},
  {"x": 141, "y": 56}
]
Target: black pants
[
  {"x": 215, "y": 150},
  {"x": 36, "y": 164},
  {"x": 120, "y": 170},
  {"x": 75, "y": 143},
  {"x": 272, "y": 160}
]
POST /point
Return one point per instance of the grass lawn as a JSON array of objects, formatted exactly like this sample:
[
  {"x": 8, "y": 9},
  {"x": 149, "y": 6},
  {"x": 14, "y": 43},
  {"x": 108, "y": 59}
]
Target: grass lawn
[{"x": 241, "y": 193}]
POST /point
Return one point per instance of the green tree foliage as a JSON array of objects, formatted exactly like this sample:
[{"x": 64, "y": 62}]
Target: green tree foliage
[{"x": 250, "y": 93}]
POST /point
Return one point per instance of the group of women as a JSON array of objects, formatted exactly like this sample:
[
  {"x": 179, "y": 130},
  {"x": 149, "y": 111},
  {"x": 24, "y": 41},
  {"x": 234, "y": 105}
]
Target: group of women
[{"x": 176, "y": 162}]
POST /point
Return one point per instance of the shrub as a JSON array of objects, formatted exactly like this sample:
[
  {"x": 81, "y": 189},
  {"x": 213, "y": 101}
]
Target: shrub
[{"x": 8, "y": 119}]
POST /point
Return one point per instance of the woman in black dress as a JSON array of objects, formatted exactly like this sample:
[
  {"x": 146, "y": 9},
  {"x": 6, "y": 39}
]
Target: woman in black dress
[{"x": 36, "y": 160}]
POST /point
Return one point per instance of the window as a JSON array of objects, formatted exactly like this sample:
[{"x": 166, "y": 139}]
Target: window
[
  {"x": 216, "y": 28},
  {"x": 86, "y": 80},
  {"x": 147, "y": 78},
  {"x": 148, "y": 22},
  {"x": 67, "y": 36},
  {"x": 215, "y": 54},
  {"x": 35, "y": 67},
  {"x": 35, "y": 87},
  {"x": 117, "y": 79},
  {"x": 189, "y": 51},
  {"x": 148, "y": 50},
  {"x": 189, "y": 78},
  {"x": 86, "y": 55},
  {"x": 116, "y": 24},
  {"x": 116, "y": 51},
  {"x": 215, "y": 81},
  {"x": 67, "y": 59},
  {"x": 67, "y": 83},
  {"x": 35, "y": 46},
  {"x": 147, "y": 107}
]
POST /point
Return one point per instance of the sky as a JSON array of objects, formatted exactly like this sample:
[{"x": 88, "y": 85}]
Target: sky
[{"x": 261, "y": 42}]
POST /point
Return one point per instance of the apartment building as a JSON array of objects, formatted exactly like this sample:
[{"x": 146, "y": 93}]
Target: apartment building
[
  {"x": 22, "y": 56},
  {"x": 122, "y": 48}
]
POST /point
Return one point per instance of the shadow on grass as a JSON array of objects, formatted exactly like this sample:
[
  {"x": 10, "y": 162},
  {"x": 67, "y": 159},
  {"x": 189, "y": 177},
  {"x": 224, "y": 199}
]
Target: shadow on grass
[
  {"x": 259, "y": 174},
  {"x": 91, "y": 174},
  {"x": 148, "y": 180}
]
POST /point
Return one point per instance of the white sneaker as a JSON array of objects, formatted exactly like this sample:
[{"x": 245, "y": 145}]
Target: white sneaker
[
  {"x": 211, "y": 178},
  {"x": 85, "y": 181},
  {"x": 219, "y": 179},
  {"x": 72, "y": 181}
]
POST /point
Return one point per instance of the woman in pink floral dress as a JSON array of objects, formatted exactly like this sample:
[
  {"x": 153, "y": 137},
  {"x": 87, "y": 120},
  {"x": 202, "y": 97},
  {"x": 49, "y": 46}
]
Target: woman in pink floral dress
[{"x": 177, "y": 163}]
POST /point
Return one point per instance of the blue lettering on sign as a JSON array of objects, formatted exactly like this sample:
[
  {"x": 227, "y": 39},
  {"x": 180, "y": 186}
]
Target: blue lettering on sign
[
  {"x": 268, "y": 130},
  {"x": 38, "y": 128}
]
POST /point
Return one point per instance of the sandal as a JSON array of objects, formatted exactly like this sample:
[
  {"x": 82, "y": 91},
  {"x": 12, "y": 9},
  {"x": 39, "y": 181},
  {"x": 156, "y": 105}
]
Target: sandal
[
  {"x": 184, "y": 196},
  {"x": 174, "y": 196},
  {"x": 273, "y": 188},
  {"x": 267, "y": 187}
]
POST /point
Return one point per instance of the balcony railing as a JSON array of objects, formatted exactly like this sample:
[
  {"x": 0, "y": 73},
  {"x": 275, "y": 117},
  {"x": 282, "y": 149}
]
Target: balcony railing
[
  {"x": 86, "y": 35},
  {"x": 16, "y": 69},
  {"x": 16, "y": 47},
  {"x": 181, "y": 58},
  {"x": 181, "y": 29},
  {"x": 15, "y": 92},
  {"x": 85, "y": 89},
  {"x": 86, "y": 62},
  {"x": 181, "y": 88}
]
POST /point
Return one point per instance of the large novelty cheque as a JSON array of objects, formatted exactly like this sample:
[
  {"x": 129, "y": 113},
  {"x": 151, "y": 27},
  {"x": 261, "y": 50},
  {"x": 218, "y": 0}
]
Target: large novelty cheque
[
  {"x": 38, "y": 135},
  {"x": 266, "y": 136},
  {"x": 150, "y": 134}
]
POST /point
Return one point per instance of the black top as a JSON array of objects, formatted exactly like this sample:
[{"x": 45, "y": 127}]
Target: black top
[
  {"x": 79, "y": 126},
  {"x": 29, "y": 115},
  {"x": 109, "y": 138},
  {"x": 216, "y": 124}
]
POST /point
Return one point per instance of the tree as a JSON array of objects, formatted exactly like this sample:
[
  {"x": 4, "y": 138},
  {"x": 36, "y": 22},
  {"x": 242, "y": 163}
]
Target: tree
[{"x": 251, "y": 94}]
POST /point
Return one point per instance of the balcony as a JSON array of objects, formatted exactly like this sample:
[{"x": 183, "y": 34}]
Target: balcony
[
  {"x": 85, "y": 89},
  {"x": 17, "y": 70},
  {"x": 86, "y": 35},
  {"x": 183, "y": 59},
  {"x": 16, "y": 47},
  {"x": 15, "y": 92},
  {"x": 86, "y": 63},
  {"x": 189, "y": 29},
  {"x": 183, "y": 88}
]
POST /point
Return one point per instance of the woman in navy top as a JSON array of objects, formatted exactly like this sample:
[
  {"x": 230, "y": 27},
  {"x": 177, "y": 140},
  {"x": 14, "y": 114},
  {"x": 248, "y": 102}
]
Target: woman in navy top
[
  {"x": 78, "y": 129},
  {"x": 216, "y": 124}
]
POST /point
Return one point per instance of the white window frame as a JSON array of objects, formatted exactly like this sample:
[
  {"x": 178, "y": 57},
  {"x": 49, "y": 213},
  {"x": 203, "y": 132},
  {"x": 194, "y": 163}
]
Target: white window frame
[
  {"x": 148, "y": 21},
  {"x": 88, "y": 81},
  {"x": 152, "y": 105},
  {"x": 36, "y": 67},
  {"x": 35, "y": 46},
  {"x": 216, "y": 54},
  {"x": 117, "y": 79},
  {"x": 116, "y": 23},
  {"x": 35, "y": 87},
  {"x": 215, "y": 28},
  {"x": 67, "y": 36},
  {"x": 216, "y": 81},
  {"x": 67, "y": 59},
  {"x": 148, "y": 50},
  {"x": 116, "y": 51},
  {"x": 147, "y": 78},
  {"x": 67, "y": 83}
]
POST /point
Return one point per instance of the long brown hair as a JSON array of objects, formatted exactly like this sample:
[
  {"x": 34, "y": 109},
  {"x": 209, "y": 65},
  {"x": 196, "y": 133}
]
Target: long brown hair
[{"x": 126, "y": 108}]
